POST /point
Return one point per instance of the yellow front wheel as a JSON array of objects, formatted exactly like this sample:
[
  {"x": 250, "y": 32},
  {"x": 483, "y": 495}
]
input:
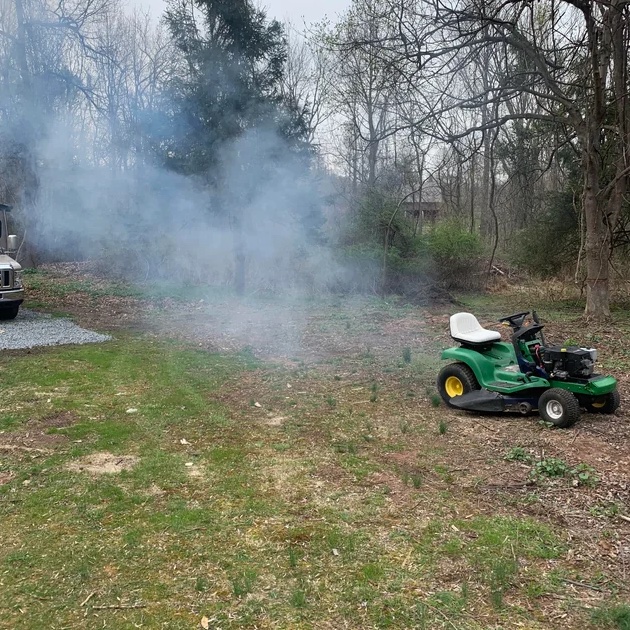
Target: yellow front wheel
[
  {"x": 454, "y": 380},
  {"x": 454, "y": 386}
]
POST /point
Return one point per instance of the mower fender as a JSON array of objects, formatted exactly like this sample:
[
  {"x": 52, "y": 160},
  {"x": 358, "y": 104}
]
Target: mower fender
[
  {"x": 491, "y": 373},
  {"x": 596, "y": 386},
  {"x": 480, "y": 365}
]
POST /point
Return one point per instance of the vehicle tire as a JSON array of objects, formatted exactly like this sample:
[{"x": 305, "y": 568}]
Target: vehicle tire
[
  {"x": 456, "y": 379},
  {"x": 559, "y": 407},
  {"x": 608, "y": 403},
  {"x": 9, "y": 313}
]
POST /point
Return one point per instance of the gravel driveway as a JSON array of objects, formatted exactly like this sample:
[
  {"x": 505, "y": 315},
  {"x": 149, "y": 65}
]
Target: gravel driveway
[{"x": 30, "y": 329}]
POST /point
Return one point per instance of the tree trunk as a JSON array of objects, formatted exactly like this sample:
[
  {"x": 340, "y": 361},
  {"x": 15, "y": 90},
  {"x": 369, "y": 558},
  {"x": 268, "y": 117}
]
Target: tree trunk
[
  {"x": 597, "y": 247},
  {"x": 240, "y": 260},
  {"x": 472, "y": 192}
]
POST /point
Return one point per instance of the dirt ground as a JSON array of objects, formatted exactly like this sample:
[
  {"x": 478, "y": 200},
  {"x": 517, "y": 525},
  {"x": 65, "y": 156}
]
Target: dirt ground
[{"x": 352, "y": 343}]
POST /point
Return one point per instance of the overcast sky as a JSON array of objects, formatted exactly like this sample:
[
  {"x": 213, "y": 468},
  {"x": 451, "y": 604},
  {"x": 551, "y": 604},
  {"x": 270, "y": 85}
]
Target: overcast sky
[{"x": 297, "y": 11}]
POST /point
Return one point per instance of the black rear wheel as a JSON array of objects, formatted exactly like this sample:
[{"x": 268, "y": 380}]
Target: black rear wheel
[
  {"x": 559, "y": 407},
  {"x": 456, "y": 379},
  {"x": 9, "y": 313},
  {"x": 608, "y": 403}
]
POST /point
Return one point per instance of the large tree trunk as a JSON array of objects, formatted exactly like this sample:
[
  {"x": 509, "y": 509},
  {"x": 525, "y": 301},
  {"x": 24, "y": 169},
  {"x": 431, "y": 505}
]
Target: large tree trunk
[{"x": 597, "y": 247}]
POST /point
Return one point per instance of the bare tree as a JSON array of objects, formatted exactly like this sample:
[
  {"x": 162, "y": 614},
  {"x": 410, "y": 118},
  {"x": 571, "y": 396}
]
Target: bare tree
[
  {"x": 570, "y": 58},
  {"x": 365, "y": 88},
  {"x": 307, "y": 82}
]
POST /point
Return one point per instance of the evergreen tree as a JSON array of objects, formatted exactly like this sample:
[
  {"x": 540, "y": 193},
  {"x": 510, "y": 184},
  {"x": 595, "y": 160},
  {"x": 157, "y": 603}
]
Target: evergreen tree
[{"x": 229, "y": 81}]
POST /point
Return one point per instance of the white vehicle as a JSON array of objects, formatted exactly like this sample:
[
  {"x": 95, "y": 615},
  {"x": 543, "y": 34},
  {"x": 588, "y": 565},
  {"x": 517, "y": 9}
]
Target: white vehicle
[{"x": 11, "y": 289}]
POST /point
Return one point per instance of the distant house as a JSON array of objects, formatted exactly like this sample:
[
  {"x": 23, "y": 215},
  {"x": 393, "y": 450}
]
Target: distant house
[{"x": 427, "y": 211}]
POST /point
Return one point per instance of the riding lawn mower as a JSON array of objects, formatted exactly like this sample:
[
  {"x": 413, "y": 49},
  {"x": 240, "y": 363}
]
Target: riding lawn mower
[{"x": 490, "y": 375}]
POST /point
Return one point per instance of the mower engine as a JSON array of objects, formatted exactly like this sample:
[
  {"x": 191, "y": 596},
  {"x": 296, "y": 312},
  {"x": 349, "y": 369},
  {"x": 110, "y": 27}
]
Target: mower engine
[{"x": 571, "y": 362}]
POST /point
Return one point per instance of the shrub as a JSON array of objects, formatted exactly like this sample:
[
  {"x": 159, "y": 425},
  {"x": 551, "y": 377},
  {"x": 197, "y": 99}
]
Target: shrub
[
  {"x": 551, "y": 242},
  {"x": 456, "y": 254}
]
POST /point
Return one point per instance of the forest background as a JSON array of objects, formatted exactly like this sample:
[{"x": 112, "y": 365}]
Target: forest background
[{"x": 409, "y": 145}]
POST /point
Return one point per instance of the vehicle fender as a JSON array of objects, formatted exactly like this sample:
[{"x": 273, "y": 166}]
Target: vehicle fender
[{"x": 477, "y": 362}]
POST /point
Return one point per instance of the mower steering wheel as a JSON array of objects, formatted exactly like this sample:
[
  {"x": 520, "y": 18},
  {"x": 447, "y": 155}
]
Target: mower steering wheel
[{"x": 510, "y": 319}]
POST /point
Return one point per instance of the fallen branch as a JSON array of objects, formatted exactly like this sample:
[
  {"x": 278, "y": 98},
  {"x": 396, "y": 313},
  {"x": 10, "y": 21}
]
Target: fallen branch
[
  {"x": 87, "y": 599},
  {"x": 591, "y": 586},
  {"x": 520, "y": 484},
  {"x": 625, "y": 518}
]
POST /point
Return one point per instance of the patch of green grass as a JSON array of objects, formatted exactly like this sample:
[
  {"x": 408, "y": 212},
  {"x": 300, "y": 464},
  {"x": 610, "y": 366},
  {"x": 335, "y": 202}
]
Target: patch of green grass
[
  {"x": 374, "y": 388},
  {"x": 243, "y": 583},
  {"x": 612, "y": 617},
  {"x": 372, "y": 572},
  {"x": 250, "y": 524},
  {"x": 500, "y": 576},
  {"x": 406, "y": 355},
  {"x": 8, "y": 422},
  {"x": 444, "y": 473},
  {"x": 451, "y": 603},
  {"x": 359, "y": 467},
  {"x": 346, "y": 446},
  {"x": 298, "y": 599}
]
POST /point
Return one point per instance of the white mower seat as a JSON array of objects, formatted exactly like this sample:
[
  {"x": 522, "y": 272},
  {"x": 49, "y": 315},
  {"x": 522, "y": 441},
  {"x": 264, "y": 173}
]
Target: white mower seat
[{"x": 467, "y": 330}]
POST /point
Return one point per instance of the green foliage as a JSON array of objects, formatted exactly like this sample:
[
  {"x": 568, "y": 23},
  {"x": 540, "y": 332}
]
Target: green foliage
[
  {"x": 581, "y": 474},
  {"x": 518, "y": 454},
  {"x": 584, "y": 475},
  {"x": 613, "y": 617},
  {"x": 551, "y": 467},
  {"x": 551, "y": 241},
  {"x": 607, "y": 509},
  {"x": 380, "y": 236},
  {"x": 455, "y": 253}
]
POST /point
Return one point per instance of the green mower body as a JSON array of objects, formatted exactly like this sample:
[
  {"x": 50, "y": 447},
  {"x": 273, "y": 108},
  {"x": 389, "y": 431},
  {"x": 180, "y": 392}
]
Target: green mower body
[{"x": 490, "y": 375}]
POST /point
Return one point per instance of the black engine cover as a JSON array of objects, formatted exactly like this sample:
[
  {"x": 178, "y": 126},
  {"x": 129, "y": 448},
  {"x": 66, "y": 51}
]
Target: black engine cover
[{"x": 576, "y": 362}]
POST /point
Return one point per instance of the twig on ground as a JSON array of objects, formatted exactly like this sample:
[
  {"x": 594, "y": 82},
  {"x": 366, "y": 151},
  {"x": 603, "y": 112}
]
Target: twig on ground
[
  {"x": 590, "y": 586},
  {"x": 87, "y": 599},
  {"x": 118, "y": 606}
]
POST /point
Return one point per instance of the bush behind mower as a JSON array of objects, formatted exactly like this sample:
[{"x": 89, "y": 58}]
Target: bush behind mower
[{"x": 490, "y": 375}]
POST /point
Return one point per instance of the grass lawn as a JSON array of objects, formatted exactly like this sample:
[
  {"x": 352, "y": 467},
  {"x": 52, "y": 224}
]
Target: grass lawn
[{"x": 145, "y": 482}]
